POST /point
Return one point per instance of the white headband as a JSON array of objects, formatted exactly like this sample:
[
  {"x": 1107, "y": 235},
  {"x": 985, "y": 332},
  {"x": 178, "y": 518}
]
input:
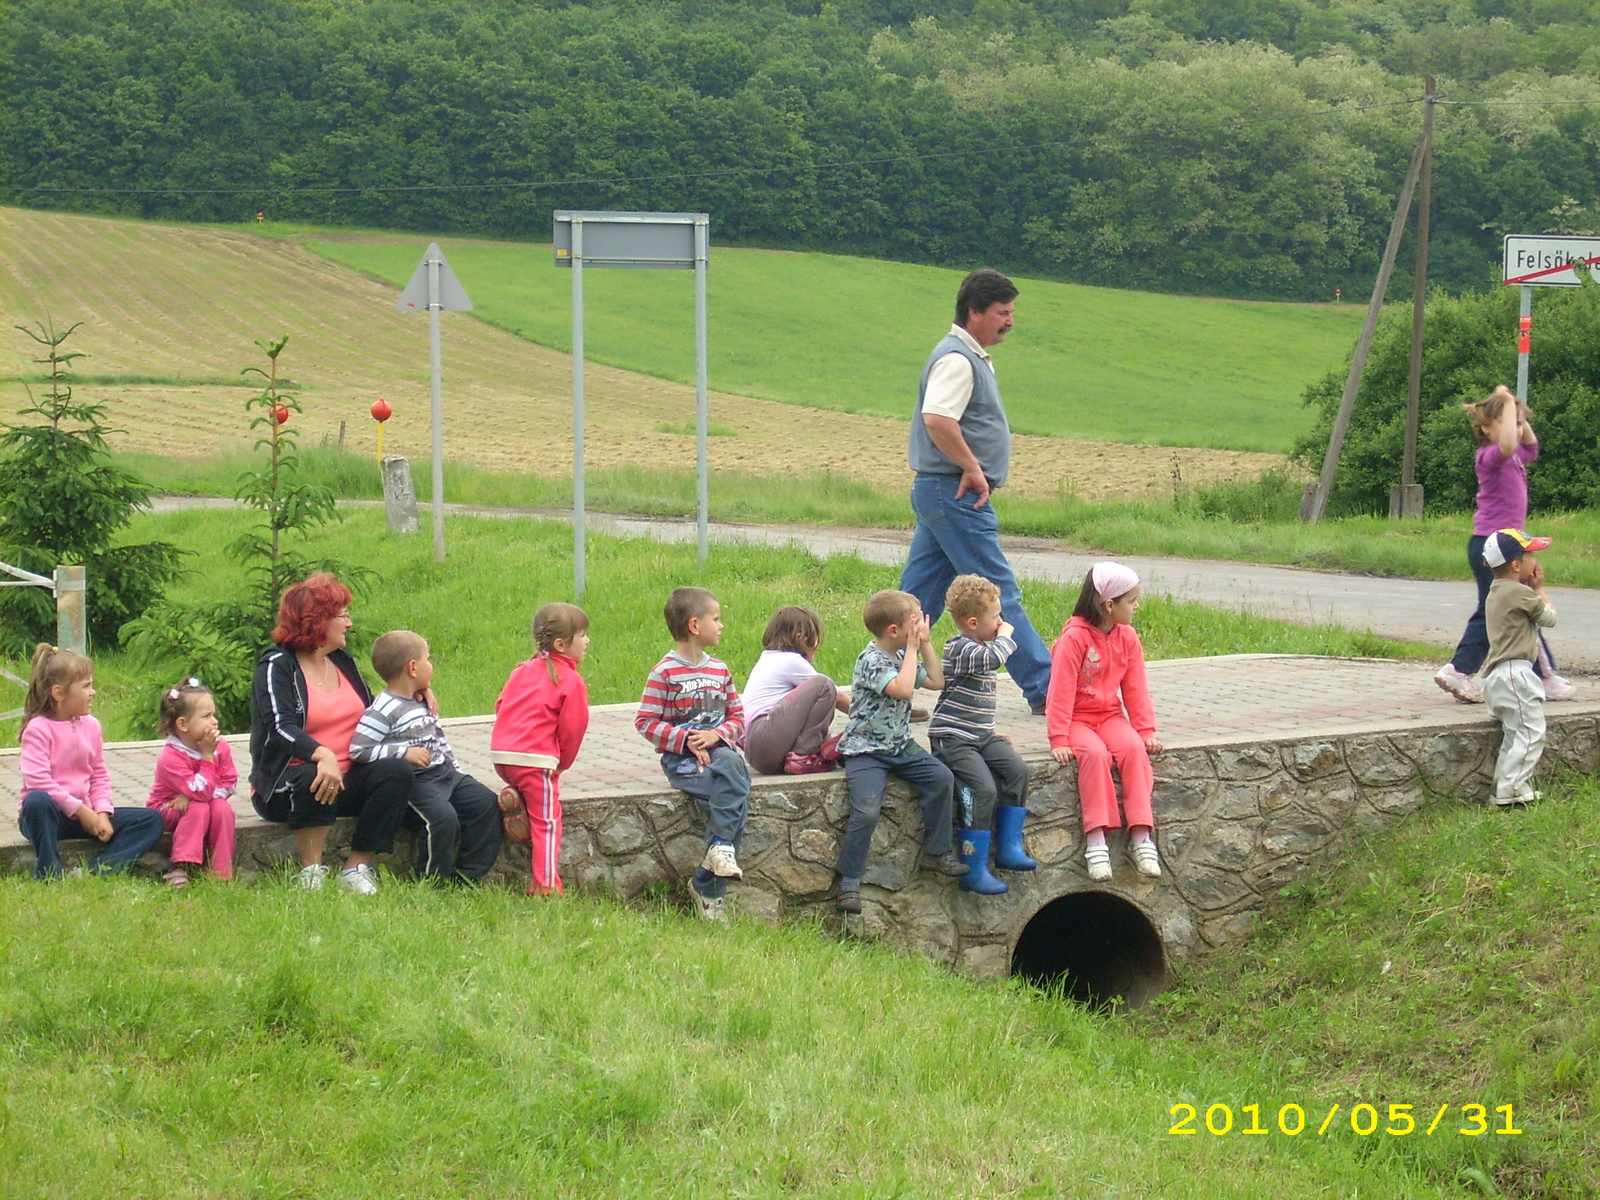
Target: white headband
[{"x": 1112, "y": 580}]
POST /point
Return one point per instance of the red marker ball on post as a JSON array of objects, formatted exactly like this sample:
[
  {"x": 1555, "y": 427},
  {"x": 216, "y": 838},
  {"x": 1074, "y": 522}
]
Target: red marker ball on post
[
  {"x": 280, "y": 413},
  {"x": 382, "y": 411}
]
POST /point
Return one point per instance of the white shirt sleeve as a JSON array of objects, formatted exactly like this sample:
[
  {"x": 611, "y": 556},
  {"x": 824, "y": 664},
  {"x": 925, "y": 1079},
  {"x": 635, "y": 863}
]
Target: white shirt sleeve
[{"x": 949, "y": 387}]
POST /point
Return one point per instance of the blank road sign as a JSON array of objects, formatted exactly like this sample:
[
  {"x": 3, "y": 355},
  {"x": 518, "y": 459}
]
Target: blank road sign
[
  {"x": 648, "y": 240},
  {"x": 1547, "y": 261}
]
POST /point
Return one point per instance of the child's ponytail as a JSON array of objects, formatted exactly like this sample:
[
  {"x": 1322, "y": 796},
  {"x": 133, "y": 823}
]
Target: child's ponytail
[
  {"x": 178, "y": 701},
  {"x": 554, "y": 623},
  {"x": 52, "y": 666}
]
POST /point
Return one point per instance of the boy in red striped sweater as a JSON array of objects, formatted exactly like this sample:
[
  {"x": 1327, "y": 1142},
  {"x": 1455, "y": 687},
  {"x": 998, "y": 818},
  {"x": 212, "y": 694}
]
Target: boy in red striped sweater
[{"x": 691, "y": 713}]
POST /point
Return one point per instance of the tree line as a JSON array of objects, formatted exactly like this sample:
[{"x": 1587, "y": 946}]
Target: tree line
[{"x": 1232, "y": 147}]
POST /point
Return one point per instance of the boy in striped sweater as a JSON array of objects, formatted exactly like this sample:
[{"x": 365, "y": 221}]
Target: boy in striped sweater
[
  {"x": 691, "y": 714},
  {"x": 991, "y": 778},
  {"x": 460, "y": 817}
]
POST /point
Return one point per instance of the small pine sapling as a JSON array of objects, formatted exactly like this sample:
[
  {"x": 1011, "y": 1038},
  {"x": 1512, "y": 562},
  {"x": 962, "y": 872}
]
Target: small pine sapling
[{"x": 63, "y": 500}]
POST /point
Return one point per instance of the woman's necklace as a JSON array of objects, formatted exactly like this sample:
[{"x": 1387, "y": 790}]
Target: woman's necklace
[{"x": 327, "y": 674}]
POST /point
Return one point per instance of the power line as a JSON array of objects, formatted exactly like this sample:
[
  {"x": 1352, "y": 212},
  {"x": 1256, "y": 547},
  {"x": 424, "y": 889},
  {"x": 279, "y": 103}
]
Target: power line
[
  {"x": 1514, "y": 103},
  {"x": 721, "y": 173}
]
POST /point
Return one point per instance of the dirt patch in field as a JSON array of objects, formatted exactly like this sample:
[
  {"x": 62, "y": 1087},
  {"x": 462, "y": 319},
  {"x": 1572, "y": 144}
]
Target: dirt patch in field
[{"x": 187, "y": 302}]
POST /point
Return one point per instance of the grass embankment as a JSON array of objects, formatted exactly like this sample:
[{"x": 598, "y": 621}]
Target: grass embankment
[
  {"x": 475, "y": 608},
  {"x": 851, "y": 333},
  {"x": 1242, "y": 522},
  {"x": 259, "y": 1041},
  {"x": 1455, "y": 961}
]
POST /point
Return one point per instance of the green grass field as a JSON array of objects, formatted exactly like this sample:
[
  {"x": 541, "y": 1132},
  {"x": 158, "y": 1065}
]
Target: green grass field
[
  {"x": 852, "y": 334},
  {"x": 237, "y": 1040},
  {"x": 475, "y": 608},
  {"x": 1242, "y": 522}
]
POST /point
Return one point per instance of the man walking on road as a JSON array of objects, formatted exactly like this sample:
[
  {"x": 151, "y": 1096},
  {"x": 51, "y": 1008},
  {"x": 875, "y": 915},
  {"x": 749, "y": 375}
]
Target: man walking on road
[{"x": 961, "y": 450}]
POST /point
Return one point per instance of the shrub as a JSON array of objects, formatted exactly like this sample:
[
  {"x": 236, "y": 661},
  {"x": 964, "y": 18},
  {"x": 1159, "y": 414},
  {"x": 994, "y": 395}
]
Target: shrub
[
  {"x": 62, "y": 500},
  {"x": 1471, "y": 346}
]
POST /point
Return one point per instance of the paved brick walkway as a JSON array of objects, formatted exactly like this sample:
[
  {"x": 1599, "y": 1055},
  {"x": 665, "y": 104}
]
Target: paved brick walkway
[{"x": 1199, "y": 701}]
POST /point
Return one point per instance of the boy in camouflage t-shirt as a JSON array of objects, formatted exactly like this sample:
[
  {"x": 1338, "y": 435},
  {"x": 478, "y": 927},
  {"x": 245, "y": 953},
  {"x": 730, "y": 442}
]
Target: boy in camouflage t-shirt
[{"x": 877, "y": 741}]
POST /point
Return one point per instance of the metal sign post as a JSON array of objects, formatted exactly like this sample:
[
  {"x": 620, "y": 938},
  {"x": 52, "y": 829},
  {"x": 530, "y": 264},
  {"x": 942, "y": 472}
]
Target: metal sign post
[
  {"x": 636, "y": 241},
  {"x": 1535, "y": 261},
  {"x": 434, "y": 286}
]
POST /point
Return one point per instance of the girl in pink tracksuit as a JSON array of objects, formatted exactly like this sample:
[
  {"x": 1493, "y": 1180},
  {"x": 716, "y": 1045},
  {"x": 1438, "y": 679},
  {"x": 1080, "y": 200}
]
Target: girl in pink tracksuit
[
  {"x": 539, "y": 723},
  {"x": 1097, "y": 656},
  {"x": 195, "y": 781}
]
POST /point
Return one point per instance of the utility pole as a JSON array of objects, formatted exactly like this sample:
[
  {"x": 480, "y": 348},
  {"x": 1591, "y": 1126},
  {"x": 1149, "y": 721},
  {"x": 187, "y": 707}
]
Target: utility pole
[
  {"x": 1316, "y": 497},
  {"x": 1406, "y": 500}
]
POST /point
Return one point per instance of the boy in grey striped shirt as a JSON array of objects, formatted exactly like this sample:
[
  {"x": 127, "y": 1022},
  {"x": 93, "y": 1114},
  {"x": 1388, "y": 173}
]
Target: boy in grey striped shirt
[
  {"x": 991, "y": 778},
  {"x": 460, "y": 817}
]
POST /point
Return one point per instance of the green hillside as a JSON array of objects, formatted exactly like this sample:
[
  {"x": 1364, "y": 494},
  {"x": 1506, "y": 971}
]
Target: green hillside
[
  {"x": 478, "y": 1043},
  {"x": 852, "y": 334}
]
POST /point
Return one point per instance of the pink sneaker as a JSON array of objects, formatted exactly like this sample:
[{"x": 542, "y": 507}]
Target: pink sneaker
[
  {"x": 1459, "y": 684},
  {"x": 807, "y": 764},
  {"x": 830, "y": 748}
]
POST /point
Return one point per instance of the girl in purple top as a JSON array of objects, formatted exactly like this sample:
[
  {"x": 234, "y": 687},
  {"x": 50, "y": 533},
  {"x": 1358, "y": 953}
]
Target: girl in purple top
[{"x": 1506, "y": 446}]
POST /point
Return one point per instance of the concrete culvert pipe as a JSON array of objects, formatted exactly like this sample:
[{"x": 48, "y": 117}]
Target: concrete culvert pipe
[{"x": 1098, "y": 948}]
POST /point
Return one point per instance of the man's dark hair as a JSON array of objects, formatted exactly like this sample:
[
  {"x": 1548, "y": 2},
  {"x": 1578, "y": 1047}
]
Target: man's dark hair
[{"x": 980, "y": 289}]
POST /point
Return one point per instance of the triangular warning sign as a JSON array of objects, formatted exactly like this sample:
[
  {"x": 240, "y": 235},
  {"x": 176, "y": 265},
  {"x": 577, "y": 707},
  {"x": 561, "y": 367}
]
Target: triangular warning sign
[{"x": 452, "y": 296}]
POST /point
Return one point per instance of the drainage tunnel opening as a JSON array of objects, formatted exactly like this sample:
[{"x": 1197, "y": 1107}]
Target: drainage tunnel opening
[{"x": 1098, "y": 948}]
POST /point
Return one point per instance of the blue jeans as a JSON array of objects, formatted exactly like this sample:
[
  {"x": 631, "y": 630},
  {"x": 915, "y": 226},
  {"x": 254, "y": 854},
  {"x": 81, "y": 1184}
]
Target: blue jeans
[
  {"x": 954, "y": 538},
  {"x": 133, "y": 831},
  {"x": 723, "y": 790},
  {"x": 1474, "y": 645},
  {"x": 867, "y": 775}
]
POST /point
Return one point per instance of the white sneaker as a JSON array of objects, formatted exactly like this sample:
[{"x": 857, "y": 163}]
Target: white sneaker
[
  {"x": 1459, "y": 684},
  {"x": 1145, "y": 858},
  {"x": 1528, "y": 796},
  {"x": 1098, "y": 859},
  {"x": 1557, "y": 688},
  {"x": 362, "y": 880},
  {"x": 720, "y": 861},
  {"x": 705, "y": 908},
  {"x": 311, "y": 878}
]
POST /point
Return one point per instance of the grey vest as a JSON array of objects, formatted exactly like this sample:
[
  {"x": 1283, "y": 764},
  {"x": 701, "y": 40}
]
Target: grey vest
[{"x": 983, "y": 424}]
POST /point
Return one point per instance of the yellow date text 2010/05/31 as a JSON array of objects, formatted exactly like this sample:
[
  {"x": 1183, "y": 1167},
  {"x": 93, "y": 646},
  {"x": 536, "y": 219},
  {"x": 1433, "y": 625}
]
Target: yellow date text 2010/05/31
[{"x": 1363, "y": 1120}]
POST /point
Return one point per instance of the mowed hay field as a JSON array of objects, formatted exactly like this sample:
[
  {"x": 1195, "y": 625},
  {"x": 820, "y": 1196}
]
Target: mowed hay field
[
  {"x": 170, "y": 314},
  {"x": 851, "y": 334}
]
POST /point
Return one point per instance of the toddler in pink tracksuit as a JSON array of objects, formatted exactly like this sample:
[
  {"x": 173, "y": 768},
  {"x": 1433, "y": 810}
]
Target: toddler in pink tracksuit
[
  {"x": 1097, "y": 656},
  {"x": 195, "y": 781}
]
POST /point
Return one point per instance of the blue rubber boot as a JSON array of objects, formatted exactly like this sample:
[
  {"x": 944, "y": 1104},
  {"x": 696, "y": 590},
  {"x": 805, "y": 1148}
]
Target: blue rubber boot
[
  {"x": 973, "y": 847},
  {"x": 1008, "y": 852}
]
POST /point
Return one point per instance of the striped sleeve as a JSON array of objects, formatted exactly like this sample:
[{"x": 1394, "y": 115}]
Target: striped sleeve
[
  {"x": 654, "y": 718},
  {"x": 374, "y": 738}
]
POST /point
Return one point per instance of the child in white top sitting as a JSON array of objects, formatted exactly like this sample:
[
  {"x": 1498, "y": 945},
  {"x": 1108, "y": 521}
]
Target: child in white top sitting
[{"x": 788, "y": 703}]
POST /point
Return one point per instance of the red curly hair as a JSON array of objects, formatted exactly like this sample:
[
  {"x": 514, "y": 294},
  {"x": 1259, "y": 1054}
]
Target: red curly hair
[{"x": 307, "y": 609}]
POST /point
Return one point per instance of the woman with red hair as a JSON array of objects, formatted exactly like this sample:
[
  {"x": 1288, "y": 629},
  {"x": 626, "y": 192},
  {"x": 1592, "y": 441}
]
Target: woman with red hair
[{"x": 305, "y": 701}]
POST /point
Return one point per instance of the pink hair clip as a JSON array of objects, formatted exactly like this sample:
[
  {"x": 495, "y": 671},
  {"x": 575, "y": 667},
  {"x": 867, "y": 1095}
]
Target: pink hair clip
[{"x": 173, "y": 694}]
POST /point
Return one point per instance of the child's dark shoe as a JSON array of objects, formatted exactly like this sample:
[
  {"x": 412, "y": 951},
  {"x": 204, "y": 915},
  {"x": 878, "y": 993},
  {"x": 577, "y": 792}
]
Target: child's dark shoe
[
  {"x": 849, "y": 901},
  {"x": 945, "y": 864}
]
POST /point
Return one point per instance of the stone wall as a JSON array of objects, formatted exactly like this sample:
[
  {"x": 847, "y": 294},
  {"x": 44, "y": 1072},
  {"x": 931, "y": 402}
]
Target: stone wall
[{"x": 1237, "y": 822}]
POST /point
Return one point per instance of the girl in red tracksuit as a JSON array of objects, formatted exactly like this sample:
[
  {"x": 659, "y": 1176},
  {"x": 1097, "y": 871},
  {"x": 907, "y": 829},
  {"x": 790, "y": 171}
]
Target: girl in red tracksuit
[
  {"x": 1098, "y": 655},
  {"x": 539, "y": 723}
]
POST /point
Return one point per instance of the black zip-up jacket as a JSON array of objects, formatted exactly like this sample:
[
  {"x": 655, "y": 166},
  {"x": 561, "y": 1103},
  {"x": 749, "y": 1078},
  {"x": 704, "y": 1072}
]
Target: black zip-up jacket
[{"x": 278, "y": 714}]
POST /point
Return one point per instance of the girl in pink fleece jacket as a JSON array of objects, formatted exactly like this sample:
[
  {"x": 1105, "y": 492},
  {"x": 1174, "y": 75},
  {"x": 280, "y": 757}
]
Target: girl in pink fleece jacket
[
  {"x": 66, "y": 789},
  {"x": 1097, "y": 656},
  {"x": 195, "y": 781},
  {"x": 539, "y": 723}
]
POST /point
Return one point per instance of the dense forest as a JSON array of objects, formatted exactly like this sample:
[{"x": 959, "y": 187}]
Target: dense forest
[{"x": 1242, "y": 147}]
